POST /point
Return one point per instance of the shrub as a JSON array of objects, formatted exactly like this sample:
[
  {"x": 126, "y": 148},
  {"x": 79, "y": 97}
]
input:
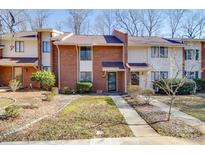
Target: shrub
[
  {"x": 45, "y": 78},
  {"x": 66, "y": 90},
  {"x": 15, "y": 85},
  {"x": 134, "y": 90},
  {"x": 200, "y": 84},
  {"x": 13, "y": 111},
  {"x": 84, "y": 87},
  {"x": 147, "y": 92},
  {"x": 189, "y": 86},
  {"x": 55, "y": 90}
]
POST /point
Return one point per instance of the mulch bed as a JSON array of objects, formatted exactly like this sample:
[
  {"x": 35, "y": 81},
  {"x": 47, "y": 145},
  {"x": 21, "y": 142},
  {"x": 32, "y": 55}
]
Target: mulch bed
[
  {"x": 33, "y": 108},
  {"x": 157, "y": 119}
]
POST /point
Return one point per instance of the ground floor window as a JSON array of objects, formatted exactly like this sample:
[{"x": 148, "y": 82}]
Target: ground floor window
[
  {"x": 191, "y": 74},
  {"x": 135, "y": 78},
  {"x": 86, "y": 76},
  {"x": 18, "y": 73},
  {"x": 47, "y": 68},
  {"x": 156, "y": 75}
]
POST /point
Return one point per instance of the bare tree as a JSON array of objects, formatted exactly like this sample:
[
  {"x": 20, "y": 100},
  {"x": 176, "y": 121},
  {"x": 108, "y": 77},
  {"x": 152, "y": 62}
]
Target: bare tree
[
  {"x": 13, "y": 20},
  {"x": 59, "y": 25},
  {"x": 77, "y": 20},
  {"x": 105, "y": 23},
  {"x": 174, "y": 20},
  {"x": 38, "y": 18},
  {"x": 194, "y": 24},
  {"x": 151, "y": 20},
  {"x": 129, "y": 20},
  {"x": 171, "y": 86}
]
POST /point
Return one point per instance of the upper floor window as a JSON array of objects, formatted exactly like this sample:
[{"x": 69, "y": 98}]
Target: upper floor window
[
  {"x": 19, "y": 46},
  {"x": 156, "y": 75},
  {"x": 191, "y": 54},
  {"x": 85, "y": 53},
  {"x": 159, "y": 52},
  {"x": 46, "y": 47}
]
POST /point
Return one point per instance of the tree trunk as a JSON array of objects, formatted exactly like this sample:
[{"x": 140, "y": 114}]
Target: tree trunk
[{"x": 170, "y": 107}]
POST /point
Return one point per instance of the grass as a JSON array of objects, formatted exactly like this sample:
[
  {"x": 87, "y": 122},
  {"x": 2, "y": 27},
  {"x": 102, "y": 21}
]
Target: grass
[
  {"x": 192, "y": 105},
  {"x": 84, "y": 118},
  {"x": 4, "y": 102}
]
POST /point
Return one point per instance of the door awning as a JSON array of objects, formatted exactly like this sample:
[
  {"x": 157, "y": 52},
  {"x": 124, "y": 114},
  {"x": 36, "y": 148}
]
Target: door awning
[
  {"x": 139, "y": 67},
  {"x": 19, "y": 62},
  {"x": 113, "y": 66}
]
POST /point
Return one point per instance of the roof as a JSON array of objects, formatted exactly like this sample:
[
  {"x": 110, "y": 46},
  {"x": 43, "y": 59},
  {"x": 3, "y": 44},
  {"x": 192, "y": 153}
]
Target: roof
[
  {"x": 152, "y": 40},
  {"x": 19, "y": 61},
  {"x": 26, "y": 34},
  {"x": 138, "y": 64},
  {"x": 118, "y": 65},
  {"x": 90, "y": 40}
]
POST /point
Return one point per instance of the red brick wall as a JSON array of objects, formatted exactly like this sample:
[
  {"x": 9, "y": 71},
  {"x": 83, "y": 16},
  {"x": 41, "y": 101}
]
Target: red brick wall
[
  {"x": 105, "y": 53},
  {"x": 27, "y": 71},
  {"x": 39, "y": 49},
  {"x": 55, "y": 62},
  {"x": 68, "y": 58},
  {"x": 5, "y": 75},
  {"x": 1, "y": 54}
]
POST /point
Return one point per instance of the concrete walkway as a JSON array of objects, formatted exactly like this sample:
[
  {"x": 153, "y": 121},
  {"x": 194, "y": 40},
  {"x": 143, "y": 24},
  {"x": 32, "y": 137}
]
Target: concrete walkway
[{"x": 192, "y": 121}]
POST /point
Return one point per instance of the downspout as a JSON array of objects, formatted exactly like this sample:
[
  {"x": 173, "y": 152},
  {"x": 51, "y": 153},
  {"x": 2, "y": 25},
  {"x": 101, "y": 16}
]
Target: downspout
[{"x": 59, "y": 66}]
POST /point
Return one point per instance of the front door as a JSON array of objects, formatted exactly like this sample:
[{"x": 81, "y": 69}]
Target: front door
[
  {"x": 135, "y": 78},
  {"x": 18, "y": 73},
  {"x": 111, "y": 81}
]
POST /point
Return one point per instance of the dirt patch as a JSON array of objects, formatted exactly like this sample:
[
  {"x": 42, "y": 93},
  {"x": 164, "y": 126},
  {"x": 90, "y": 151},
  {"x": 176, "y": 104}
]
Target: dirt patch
[{"x": 157, "y": 119}]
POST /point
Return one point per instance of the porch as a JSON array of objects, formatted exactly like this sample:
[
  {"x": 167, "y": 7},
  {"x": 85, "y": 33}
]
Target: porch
[{"x": 17, "y": 68}]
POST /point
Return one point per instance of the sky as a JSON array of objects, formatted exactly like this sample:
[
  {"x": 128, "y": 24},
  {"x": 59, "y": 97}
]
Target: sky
[{"x": 60, "y": 15}]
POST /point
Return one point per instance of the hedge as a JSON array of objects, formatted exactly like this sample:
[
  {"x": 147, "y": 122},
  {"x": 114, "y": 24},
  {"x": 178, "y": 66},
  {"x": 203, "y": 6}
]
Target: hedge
[
  {"x": 200, "y": 84},
  {"x": 189, "y": 87},
  {"x": 84, "y": 87}
]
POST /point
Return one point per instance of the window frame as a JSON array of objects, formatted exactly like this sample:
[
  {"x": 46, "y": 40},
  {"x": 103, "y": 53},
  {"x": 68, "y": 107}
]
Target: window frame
[
  {"x": 20, "y": 47},
  {"x": 85, "y": 80},
  {"x": 156, "y": 52},
  {"x": 47, "y": 48},
  {"x": 84, "y": 57}
]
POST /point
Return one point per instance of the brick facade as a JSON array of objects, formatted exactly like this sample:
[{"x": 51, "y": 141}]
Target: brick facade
[
  {"x": 203, "y": 59},
  {"x": 27, "y": 71},
  {"x": 1, "y": 54},
  {"x": 5, "y": 75},
  {"x": 106, "y": 53}
]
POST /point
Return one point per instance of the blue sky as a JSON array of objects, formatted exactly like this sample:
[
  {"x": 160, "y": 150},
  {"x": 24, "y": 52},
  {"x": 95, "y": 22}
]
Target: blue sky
[{"x": 61, "y": 15}]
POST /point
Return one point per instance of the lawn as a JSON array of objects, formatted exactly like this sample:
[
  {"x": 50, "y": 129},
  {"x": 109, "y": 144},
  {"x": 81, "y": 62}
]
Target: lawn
[
  {"x": 84, "y": 118},
  {"x": 192, "y": 105}
]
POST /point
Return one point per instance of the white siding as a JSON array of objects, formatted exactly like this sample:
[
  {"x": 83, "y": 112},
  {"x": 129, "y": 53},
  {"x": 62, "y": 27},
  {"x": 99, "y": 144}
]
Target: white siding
[
  {"x": 30, "y": 49},
  {"x": 172, "y": 64},
  {"x": 194, "y": 65}
]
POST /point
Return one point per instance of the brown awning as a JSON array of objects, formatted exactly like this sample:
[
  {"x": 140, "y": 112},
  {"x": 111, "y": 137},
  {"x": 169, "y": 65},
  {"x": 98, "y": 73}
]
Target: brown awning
[
  {"x": 19, "y": 62},
  {"x": 113, "y": 66},
  {"x": 139, "y": 66}
]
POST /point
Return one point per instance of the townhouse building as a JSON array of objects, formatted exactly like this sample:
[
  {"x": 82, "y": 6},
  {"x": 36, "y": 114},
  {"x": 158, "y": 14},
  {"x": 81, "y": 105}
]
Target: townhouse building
[{"x": 110, "y": 62}]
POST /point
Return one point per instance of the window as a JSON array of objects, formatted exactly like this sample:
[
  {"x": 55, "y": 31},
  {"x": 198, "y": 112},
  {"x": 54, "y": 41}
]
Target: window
[
  {"x": 46, "y": 46},
  {"x": 85, "y": 53},
  {"x": 159, "y": 52},
  {"x": 197, "y": 54},
  {"x": 191, "y": 75},
  {"x": 19, "y": 46},
  {"x": 191, "y": 54},
  {"x": 156, "y": 75},
  {"x": 85, "y": 76},
  {"x": 47, "y": 68}
]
